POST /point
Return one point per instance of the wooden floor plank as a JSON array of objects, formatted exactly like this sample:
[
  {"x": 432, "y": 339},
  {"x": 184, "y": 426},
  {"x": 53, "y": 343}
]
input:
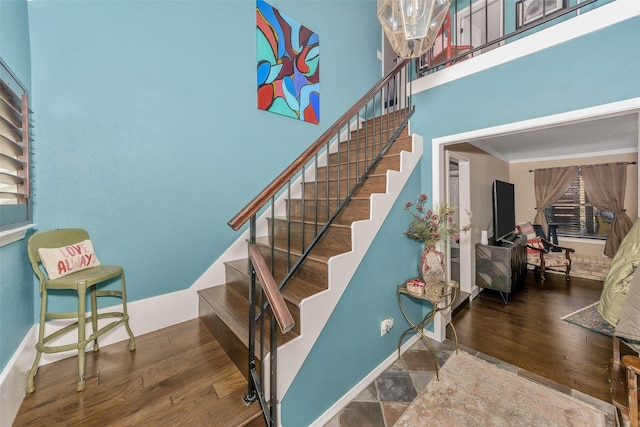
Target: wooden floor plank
[
  {"x": 177, "y": 375},
  {"x": 528, "y": 332}
]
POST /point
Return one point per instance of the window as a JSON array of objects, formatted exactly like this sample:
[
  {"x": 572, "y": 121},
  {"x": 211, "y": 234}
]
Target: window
[
  {"x": 576, "y": 217},
  {"x": 14, "y": 152}
]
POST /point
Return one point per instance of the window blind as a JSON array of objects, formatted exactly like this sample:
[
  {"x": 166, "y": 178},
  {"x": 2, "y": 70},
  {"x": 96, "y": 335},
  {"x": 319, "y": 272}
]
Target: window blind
[
  {"x": 14, "y": 151},
  {"x": 576, "y": 216}
]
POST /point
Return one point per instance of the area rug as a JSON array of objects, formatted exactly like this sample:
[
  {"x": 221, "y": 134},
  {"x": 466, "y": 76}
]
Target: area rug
[
  {"x": 474, "y": 392},
  {"x": 589, "y": 318}
]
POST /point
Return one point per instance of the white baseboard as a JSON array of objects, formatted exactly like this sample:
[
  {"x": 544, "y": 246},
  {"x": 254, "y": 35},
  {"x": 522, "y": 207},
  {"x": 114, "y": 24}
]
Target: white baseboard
[
  {"x": 13, "y": 378},
  {"x": 146, "y": 316}
]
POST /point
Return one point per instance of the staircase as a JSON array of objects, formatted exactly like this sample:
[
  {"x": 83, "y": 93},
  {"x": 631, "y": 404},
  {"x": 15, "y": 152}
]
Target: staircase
[
  {"x": 308, "y": 225},
  {"x": 224, "y": 308}
]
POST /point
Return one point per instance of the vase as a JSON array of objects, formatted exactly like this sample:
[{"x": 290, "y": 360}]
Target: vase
[{"x": 432, "y": 265}]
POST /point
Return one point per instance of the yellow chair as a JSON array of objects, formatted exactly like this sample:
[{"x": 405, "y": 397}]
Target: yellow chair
[{"x": 63, "y": 259}]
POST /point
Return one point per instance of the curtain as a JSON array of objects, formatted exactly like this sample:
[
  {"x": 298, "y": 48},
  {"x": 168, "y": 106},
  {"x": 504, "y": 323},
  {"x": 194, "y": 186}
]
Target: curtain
[
  {"x": 605, "y": 185},
  {"x": 549, "y": 186}
]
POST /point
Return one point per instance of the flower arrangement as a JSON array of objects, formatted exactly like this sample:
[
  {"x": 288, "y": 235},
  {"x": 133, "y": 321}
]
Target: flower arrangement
[{"x": 433, "y": 225}]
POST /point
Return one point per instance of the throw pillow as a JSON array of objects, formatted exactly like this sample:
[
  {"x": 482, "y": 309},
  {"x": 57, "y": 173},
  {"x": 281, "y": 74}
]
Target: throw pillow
[
  {"x": 58, "y": 262},
  {"x": 536, "y": 242}
]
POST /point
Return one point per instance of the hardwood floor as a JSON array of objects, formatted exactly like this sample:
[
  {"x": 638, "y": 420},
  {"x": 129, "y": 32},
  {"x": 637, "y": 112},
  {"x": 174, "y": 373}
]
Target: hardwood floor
[
  {"x": 180, "y": 375},
  {"x": 528, "y": 332}
]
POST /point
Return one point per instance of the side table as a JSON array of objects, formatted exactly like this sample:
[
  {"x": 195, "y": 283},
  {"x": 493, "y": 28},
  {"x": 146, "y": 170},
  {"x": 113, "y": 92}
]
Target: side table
[{"x": 444, "y": 292}]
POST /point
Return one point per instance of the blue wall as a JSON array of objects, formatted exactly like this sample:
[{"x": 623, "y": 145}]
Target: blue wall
[
  {"x": 16, "y": 284},
  {"x": 571, "y": 76},
  {"x": 148, "y": 133}
]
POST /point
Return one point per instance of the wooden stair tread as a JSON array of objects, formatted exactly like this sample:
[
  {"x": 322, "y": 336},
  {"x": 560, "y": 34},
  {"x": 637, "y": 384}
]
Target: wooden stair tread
[
  {"x": 294, "y": 292},
  {"x": 319, "y": 253},
  {"x": 233, "y": 309},
  {"x": 311, "y": 223}
]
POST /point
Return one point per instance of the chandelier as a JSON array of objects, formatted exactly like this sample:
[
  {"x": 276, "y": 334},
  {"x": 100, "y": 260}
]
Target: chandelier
[{"x": 412, "y": 25}]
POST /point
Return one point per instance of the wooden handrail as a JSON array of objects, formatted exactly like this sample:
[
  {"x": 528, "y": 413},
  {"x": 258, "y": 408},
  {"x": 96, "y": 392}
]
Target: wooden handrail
[
  {"x": 278, "y": 306},
  {"x": 265, "y": 195}
]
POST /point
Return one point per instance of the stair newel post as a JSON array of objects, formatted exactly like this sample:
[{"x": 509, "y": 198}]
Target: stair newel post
[{"x": 252, "y": 394}]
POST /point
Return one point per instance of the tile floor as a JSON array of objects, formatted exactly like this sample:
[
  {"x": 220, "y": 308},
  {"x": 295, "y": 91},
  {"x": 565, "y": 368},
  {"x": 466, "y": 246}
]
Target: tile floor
[{"x": 383, "y": 402}]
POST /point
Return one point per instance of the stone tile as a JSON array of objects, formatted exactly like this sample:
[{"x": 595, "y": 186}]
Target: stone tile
[
  {"x": 605, "y": 407},
  {"x": 384, "y": 401},
  {"x": 469, "y": 350},
  {"x": 395, "y": 387},
  {"x": 421, "y": 379},
  {"x": 398, "y": 365},
  {"x": 392, "y": 411},
  {"x": 419, "y": 345},
  {"x": 499, "y": 363},
  {"x": 418, "y": 360},
  {"x": 443, "y": 354},
  {"x": 544, "y": 381},
  {"x": 364, "y": 414},
  {"x": 370, "y": 394},
  {"x": 335, "y": 421}
]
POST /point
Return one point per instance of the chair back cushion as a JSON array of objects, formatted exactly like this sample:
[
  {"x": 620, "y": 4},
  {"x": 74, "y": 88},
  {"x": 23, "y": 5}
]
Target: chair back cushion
[
  {"x": 536, "y": 242},
  {"x": 59, "y": 262}
]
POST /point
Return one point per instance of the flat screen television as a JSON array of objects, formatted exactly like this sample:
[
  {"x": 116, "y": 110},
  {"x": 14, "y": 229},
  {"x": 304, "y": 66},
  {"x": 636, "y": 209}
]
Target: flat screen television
[{"x": 504, "y": 210}]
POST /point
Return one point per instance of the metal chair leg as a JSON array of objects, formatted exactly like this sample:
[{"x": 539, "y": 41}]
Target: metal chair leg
[
  {"x": 82, "y": 342},
  {"x": 34, "y": 368}
]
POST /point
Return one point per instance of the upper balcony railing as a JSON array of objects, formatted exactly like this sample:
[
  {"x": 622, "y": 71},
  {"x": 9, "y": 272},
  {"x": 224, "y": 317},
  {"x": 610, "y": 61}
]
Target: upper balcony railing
[{"x": 473, "y": 27}]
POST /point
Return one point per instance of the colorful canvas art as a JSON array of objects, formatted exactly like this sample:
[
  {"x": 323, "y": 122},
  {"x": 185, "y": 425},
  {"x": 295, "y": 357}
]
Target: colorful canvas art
[{"x": 288, "y": 65}]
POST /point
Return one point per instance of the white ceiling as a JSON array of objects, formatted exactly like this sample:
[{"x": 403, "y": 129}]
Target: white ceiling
[{"x": 607, "y": 134}]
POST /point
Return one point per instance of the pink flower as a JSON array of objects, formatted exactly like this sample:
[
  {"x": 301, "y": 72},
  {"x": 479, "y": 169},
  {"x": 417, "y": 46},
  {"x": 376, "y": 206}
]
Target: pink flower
[{"x": 433, "y": 224}]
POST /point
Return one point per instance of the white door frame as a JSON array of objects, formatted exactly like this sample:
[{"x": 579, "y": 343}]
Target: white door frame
[
  {"x": 464, "y": 205},
  {"x": 438, "y": 165}
]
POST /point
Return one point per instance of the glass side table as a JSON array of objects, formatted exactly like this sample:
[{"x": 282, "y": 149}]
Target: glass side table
[{"x": 443, "y": 293}]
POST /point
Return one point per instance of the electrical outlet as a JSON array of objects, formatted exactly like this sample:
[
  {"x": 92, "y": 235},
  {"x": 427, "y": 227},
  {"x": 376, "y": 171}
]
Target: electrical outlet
[{"x": 386, "y": 325}]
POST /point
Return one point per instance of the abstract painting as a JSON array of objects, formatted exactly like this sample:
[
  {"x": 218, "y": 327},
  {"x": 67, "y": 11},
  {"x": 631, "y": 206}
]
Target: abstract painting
[{"x": 288, "y": 70}]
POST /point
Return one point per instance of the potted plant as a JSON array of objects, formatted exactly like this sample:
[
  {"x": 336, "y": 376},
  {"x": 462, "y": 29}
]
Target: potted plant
[{"x": 431, "y": 226}]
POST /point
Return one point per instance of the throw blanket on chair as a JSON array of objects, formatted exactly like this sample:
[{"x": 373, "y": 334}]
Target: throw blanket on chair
[
  {"x": 628, "y": 326},
  {"x": 616, "y": 284}
]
